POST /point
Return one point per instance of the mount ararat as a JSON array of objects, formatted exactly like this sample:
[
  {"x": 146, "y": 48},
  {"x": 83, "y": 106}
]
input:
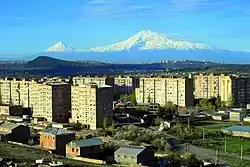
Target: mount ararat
[{"x": 146, "y": 46}]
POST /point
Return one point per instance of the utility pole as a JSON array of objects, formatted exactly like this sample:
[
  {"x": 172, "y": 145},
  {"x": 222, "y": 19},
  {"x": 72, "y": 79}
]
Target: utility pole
[
  {"x": 241, "y": 152},
  {"x": 203, "y": 134},
  {"x": 188, "y": 123},
  {"x": 216, "y": 157},
  {"x": 225, "y": 144}
]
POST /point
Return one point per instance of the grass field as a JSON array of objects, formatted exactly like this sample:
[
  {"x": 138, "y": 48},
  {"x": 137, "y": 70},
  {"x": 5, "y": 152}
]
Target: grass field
[
  {"x": 233, "y": 143},
  {"x": 212, "y": 125},
  {"x": 235, "y": 162},
  {"x": 29, "y": 155}
]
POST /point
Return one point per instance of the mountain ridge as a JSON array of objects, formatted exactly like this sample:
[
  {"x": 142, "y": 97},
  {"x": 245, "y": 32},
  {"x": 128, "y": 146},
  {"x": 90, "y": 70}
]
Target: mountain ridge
[{"x": 141, "y": 41}]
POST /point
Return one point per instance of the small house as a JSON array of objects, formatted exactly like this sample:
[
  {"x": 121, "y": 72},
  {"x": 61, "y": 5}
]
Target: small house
[
  {"x": 14, "y": 132},
  {"x": 84, "y": 148},
  {"x": 134, "y": 155},
  {"x": 237, "y": 114},
  {"x": 55, "y": 139}
]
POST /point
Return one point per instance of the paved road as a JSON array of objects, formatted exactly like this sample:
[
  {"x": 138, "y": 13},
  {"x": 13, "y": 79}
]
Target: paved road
[{"x": 201, "y": 153}]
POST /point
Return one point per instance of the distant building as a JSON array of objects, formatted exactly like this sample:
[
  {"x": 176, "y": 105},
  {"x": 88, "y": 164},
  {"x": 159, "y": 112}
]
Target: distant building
[
  {"x": 241, "y": 91},
  {"x": 55, "y": 139},
  {"x": 134, "y": 155},
  {"x": 233, "y": 90},
  {"x": 213, "y": 86},
  {"x": 15, "y": 111},
  {"x": 14, "y": 132},
  {"x": 125, "y": 85},
  {"x": 237, "y": 114},
  {"x": 237, "y": 130},
  {"x": 91, "y": 104},
  {"x": 80, "y": 80},
  {"x": 179, "y": 91},
  {"x": 85, "y": 147},
  {"x": 219, "y": 116},
  {"x": 50, "y": 100}
]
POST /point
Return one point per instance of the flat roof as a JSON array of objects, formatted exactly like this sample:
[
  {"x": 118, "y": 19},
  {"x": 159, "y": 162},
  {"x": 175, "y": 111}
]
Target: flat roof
[
  {"x": 87, "y": 142},
  {"x": 57, "y": 131},
  {"x": 130, "y": 150},
  {"x": 238, "y": 128},
  {"x": 95, "y": 84},
  {"x": 57, "y": 83},
  {"x": 8, "y": 125}
]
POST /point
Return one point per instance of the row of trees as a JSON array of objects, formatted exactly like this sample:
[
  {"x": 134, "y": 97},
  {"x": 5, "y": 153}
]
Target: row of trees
[
  {"x": 141, "y": 135},
  {"x": 131, "y": 98},
  {"x": 214, "y": 104}
]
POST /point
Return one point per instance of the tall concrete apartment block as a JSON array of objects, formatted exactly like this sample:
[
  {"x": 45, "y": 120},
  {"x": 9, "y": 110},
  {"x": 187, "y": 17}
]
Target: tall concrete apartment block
[
  {"x": 212, "y": 86},
  {"x": 231, "y": 89},
  {"x": 47, "y": 100},
  {"x": 241, "y": 91},
  {"x": 104, "y": 80},
  {"x": 91, "y": 103},
  {"x": 125, "y": 85},
  {"x": 163, "y": 90}
]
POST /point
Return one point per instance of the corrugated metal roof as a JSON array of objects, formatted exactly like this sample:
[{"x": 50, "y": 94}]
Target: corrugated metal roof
[
  {"x": 238, "y": 128},
  {"x": 130, "y": 150},
  {"x": 87, "y": 142},
  {"x": 57, "y": 131}
]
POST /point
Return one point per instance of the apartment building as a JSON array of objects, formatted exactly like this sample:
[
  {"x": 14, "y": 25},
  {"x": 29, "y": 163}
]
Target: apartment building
[
  {"x": 79, "y": 80},
  {"x": 125, "y": 85},
  {"x": 51, "y": 101},
  {"x": 241, "y": 91},
  {"x": 48, "y": 100},
  {"x": 163, "y": 90},
  {"x": 233, "y": 89},
  {"x": 207, "y": 86},
  {"x": 91, "y": 103}
]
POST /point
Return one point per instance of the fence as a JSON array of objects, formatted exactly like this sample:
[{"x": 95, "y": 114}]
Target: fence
[{"x": 94, "y": 161}]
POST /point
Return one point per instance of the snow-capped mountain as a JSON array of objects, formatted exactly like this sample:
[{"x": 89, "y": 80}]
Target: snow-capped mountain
[
  {"x": 148, "y": 40},
  {"x": 59, "y": 47}
]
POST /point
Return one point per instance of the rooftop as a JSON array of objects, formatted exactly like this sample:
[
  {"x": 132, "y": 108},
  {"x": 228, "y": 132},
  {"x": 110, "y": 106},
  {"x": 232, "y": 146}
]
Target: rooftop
[
  {"x": 238, "y": 128},
  {"x": 87, "y": 142},
  {"x": 8, "y": 125},
  {"x": 130, "y": 150},
  {"x": 57, "y": 131},
  {"x": 95, "y": 84},
  {"x": 57, "y": 83}
]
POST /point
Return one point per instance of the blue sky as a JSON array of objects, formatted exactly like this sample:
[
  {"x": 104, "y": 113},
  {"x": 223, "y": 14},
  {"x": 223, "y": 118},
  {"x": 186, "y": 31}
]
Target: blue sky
[{"x": 30, "y": 26}]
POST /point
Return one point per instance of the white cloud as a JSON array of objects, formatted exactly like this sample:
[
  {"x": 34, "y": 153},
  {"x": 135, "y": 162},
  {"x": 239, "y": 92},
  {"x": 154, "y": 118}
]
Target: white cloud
[{"x": 114, "y": 8}]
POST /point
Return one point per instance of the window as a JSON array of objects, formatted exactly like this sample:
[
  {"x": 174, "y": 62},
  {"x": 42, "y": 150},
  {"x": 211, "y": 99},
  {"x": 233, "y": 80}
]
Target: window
[
  {"x": 77, "y": 150},
  {"x": 73, "y": 150}
]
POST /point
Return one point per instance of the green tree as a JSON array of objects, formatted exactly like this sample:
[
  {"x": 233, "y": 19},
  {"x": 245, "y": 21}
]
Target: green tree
[
  {"x": 218, "y": 103},
  {"x": 113, "y": 128},
  {"x": 124, "y": 97},
  {"x": 230, "y": 101},
  {"x": 133, "y": 98},
  {"x": 105, "y": 123},
  {"x": 168, "y": 111}
]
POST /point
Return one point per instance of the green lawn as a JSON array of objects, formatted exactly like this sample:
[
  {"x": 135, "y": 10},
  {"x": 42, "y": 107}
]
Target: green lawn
[
  {"x": 233, "y": 143},
  {"x": 213, "y": 125},
  {"x": 235, "y": 162},
  {"x": 29, "y": 155}
]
